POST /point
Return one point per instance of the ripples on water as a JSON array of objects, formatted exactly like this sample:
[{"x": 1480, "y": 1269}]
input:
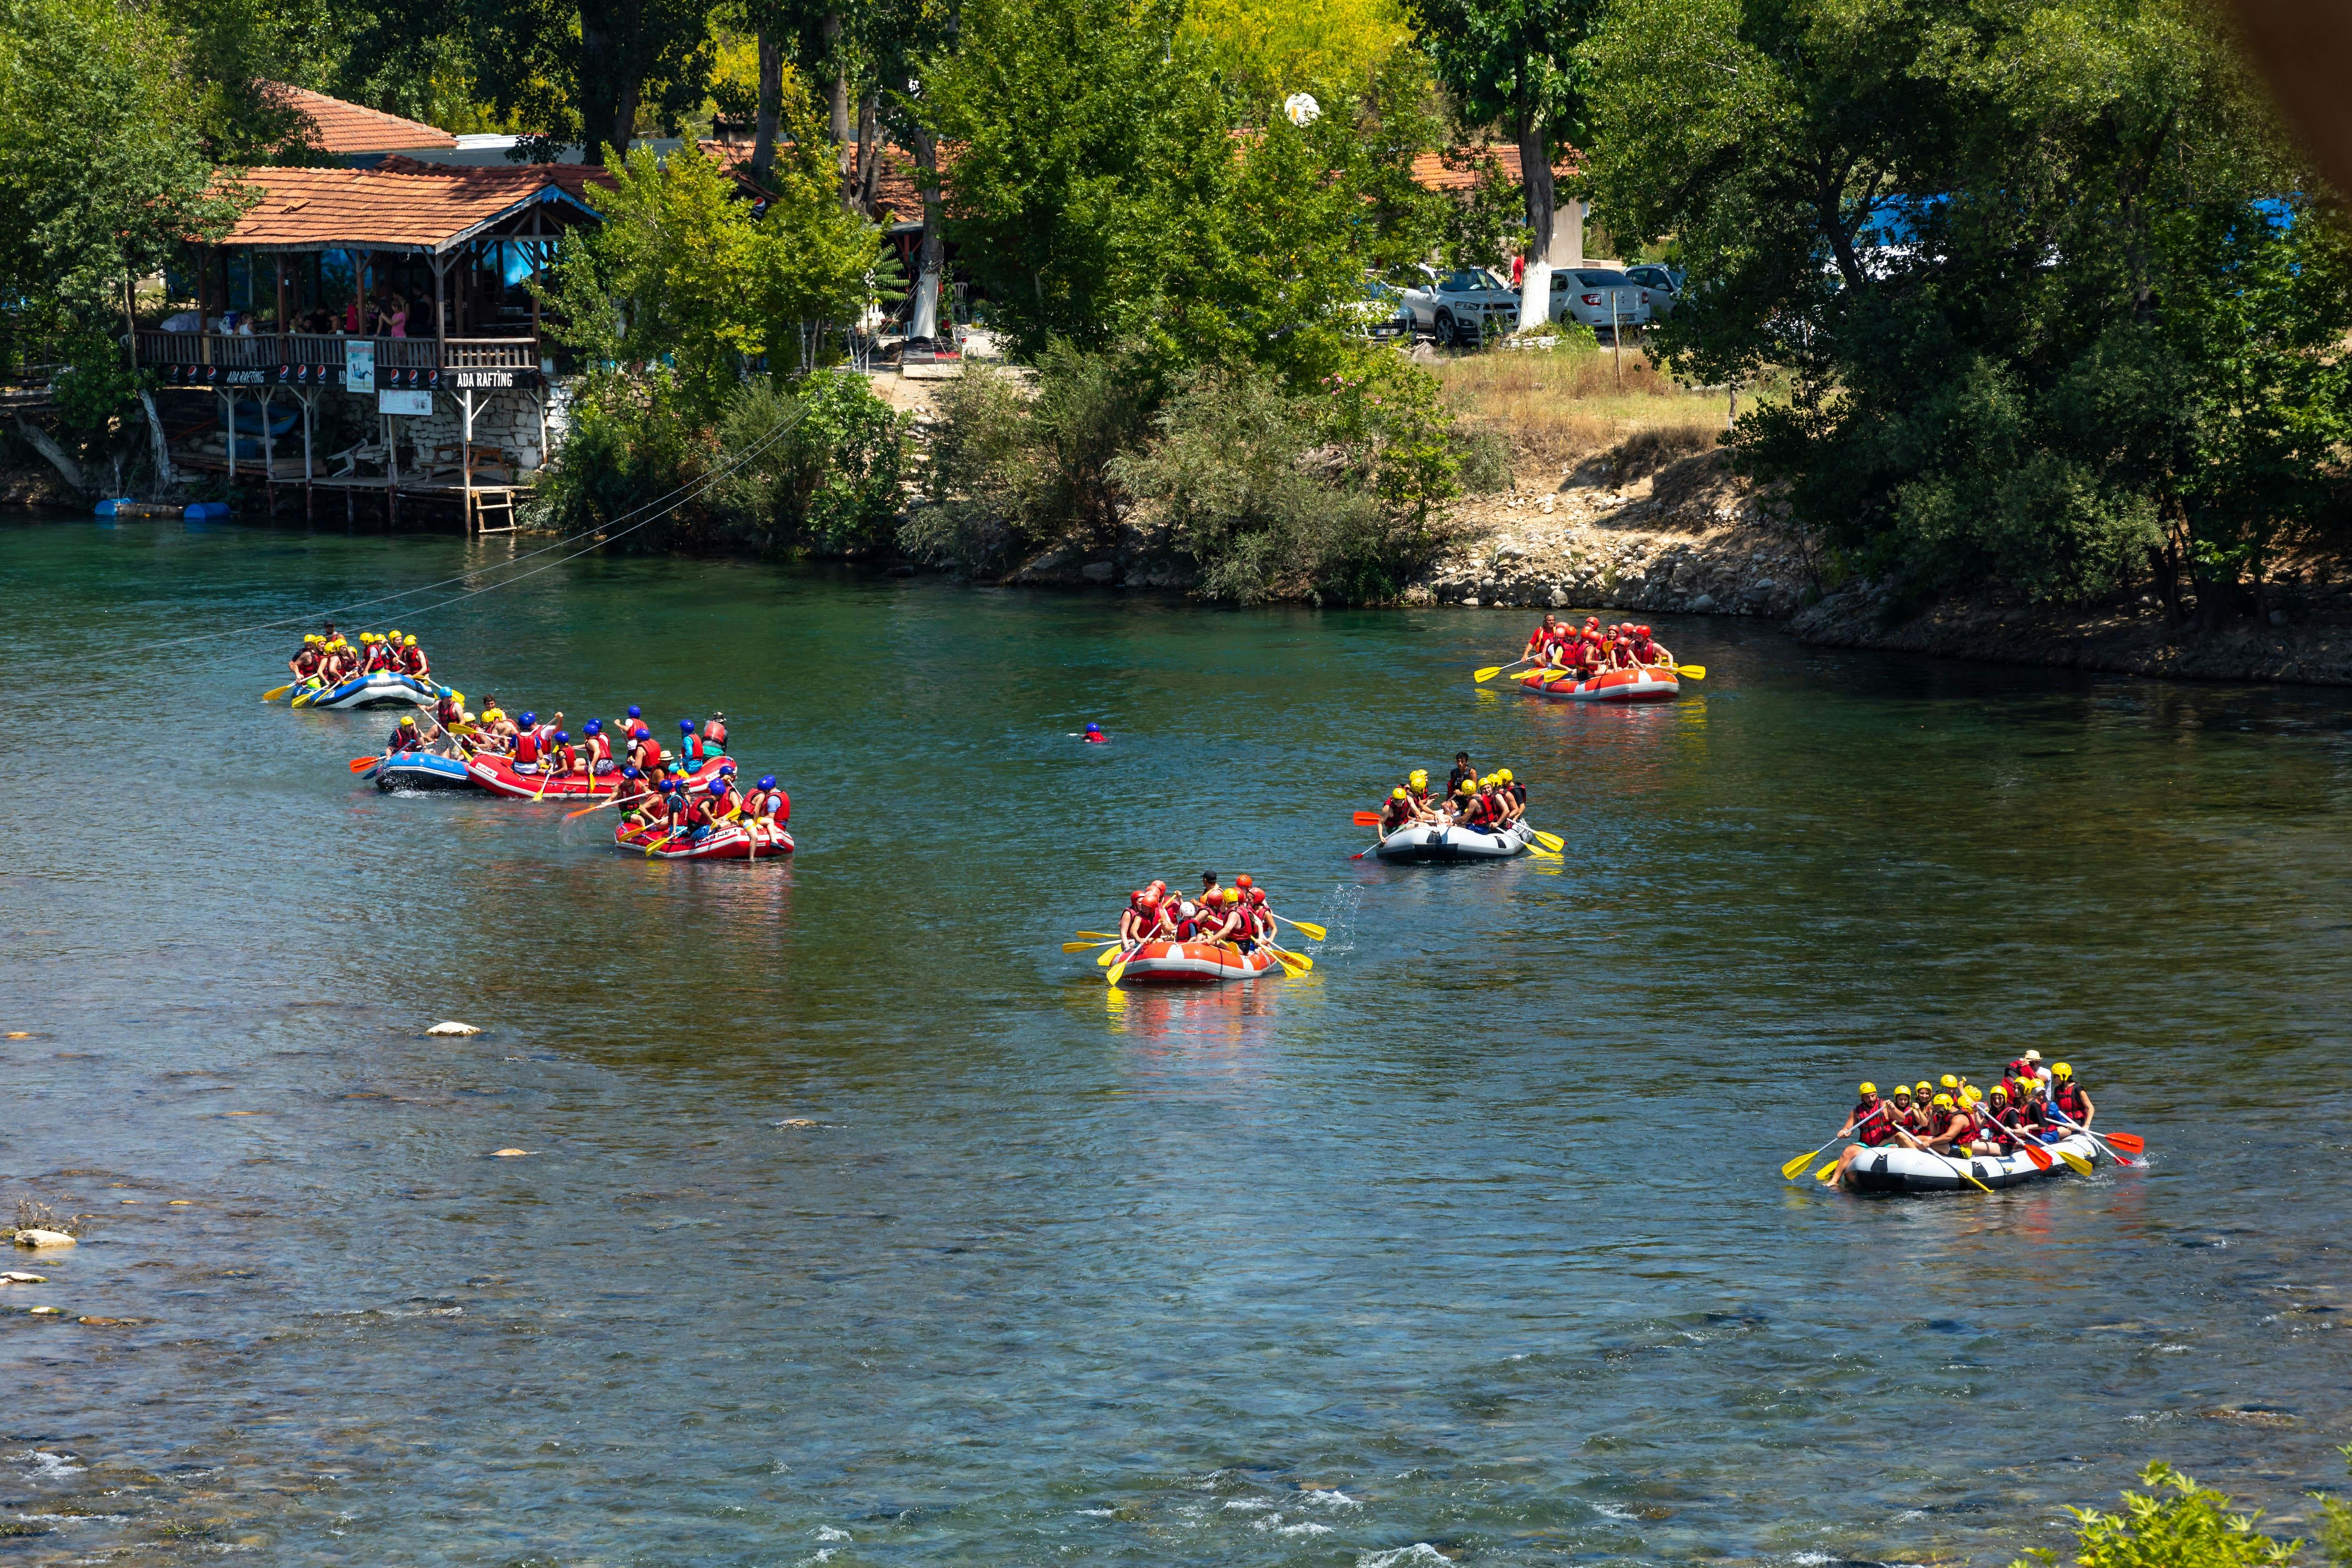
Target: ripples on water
[{"x": 861, "y": 1225}]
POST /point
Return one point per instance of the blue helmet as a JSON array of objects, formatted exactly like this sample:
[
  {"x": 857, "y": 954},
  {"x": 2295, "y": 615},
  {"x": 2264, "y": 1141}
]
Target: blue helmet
[
  {"x": 767, "y": 781},
  {"x": 726, "y": 769},
  {"x": 528, "y": 719},
  {"x": 668, "y": 784},
  {"x": 685, "y": 726},
  {"x": 719, "y": 786},
  {"x": 636, "y": 711},
  {"x": 593, "y": 727},
  {"x": 563, "y": 736},
  {"x": 1094, "y": 728},
  {"x": 631, "y": 773}
]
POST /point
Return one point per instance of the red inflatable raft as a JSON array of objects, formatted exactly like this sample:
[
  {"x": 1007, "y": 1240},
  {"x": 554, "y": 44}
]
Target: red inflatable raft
[
  {"x": 499, "y": 776},
  {"x": 1650, "y": 683},
  {"x": 1195, "y": 963},
  {"x": 728, "y": 841}
]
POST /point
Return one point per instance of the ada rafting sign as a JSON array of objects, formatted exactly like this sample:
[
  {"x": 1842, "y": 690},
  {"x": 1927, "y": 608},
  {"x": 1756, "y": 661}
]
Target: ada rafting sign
[{"x": 484, "y": 380}]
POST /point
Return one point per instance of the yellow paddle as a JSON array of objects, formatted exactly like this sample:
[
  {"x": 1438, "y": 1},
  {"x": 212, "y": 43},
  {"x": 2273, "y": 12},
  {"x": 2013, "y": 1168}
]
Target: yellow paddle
[
  {"x": 1552, "y": 841},
  {"x": 2074, "y": 1162},
  {"x": 1796, "y": 1167},
  {"x": 1695, "y": 672},
  {"x": 1083, "y": 946},
  {"x": 1492, "y": 670},
  {"x": 1102, "y": 936},
  {"x": 1293, "y": 963},
  {"x": 1313, "y": 932},
  {"x": 1110, "y": 953},
  {"x": 274, "y": 693},
  {"x": 1545, "y": 854},
  {"x": 1120, "y": 968}
]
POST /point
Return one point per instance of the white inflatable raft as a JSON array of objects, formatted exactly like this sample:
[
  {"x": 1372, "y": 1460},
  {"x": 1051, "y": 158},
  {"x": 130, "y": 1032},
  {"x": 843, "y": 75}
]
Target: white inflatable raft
[
  {"x": 382, "y": 690},
  {"x": 1196, "y": 963},
  {"x": 1894, "y": 1168},
  {"x": 1649, "y": 683},
  {"x": 1418, "y": 845}
]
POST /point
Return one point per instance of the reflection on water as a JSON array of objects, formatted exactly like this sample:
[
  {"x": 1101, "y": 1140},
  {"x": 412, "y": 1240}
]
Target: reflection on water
[{"x": 860, "y": 1220}]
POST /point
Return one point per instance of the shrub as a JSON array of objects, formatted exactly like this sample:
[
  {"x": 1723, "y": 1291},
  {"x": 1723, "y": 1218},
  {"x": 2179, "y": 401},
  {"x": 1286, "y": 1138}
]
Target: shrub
[
  {"x": 2191, "y": 1528},
  {"x": 979, "y": 516},
  {"x": 819, "y": 464},
  {"x": 627, "y": 448}
]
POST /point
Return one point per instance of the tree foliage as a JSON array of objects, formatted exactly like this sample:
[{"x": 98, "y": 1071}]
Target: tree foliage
[
  {"x": 2175, "y": 1524},
  {"x": 2058, "y": 302},
  {"x": 1102, "y": 193},
  {"x": 1266, "y": 49}
]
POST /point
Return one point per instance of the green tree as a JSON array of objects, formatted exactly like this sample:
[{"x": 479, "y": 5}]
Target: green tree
[
  {"x": 1514, "y": 63},
  {"x": 103, "y": 176},
  {"x": 2054, "y": 300},
  {"x": 2175, "y": 1524}
]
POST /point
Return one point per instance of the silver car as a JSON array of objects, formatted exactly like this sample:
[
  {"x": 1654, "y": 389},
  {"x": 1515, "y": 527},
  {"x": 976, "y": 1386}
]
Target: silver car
[
  {"x": 1600, "y": 298},
  {"x": 1456, "y": 306},
  {"x": 1665, "y": 288}
]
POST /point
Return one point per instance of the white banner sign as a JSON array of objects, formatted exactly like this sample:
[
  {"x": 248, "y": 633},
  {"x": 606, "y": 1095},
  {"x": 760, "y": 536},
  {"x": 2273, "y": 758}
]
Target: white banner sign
[
  {"x": 358, "y": 367},
  {"x": 403, "y": 403}
]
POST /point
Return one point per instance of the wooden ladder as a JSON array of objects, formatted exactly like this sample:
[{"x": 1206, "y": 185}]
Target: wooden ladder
[{"x": 494, "y": 511}]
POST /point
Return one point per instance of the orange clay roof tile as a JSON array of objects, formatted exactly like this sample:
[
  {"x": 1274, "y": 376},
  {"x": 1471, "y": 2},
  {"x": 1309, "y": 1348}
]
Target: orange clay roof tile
[
  {"x": 343, "y": 130},
  {"x": 313, "y": 209}
]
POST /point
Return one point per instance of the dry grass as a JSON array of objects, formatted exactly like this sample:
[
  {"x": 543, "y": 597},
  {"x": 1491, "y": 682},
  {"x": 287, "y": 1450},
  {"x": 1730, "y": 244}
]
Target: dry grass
[{"x": 1563, "y": 410}]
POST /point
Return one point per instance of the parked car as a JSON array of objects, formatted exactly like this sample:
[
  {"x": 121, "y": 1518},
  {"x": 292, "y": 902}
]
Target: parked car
[
  {"x": 1382, "y": 313},
  {"x": 1600, "y": 298},
  {"x": 1456, "y": 306},
  {"x": 1664, "y": 285}
]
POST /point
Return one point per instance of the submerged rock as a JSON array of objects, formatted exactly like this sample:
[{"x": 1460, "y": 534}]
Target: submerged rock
[
  {"x": 509, "y": 1154},
  {"x": 19, "y": 1278},
  {"x": 452, "y": 1027}
]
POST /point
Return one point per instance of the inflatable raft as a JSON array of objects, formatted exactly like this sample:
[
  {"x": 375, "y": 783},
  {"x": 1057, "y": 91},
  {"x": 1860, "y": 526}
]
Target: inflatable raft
[
  {"x": 728, "y": 841},
  {"x": 420, "y": 770},
  {"x": 1195, "y": 963},
  {"x": 382, "y": 690},
  {"x": 1424, "y": 845},
  {"x": 500, "y": 775},
  {"x": 1892, "y": 1169},
  {"x": 1650, "y": 683}
]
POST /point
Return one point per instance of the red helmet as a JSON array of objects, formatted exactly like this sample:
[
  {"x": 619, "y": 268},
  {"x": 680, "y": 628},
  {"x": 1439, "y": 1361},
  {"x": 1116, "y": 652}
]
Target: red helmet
[
  {"x": 1156, "y": 886},
  {"x": 1138, "y": 896},
  {"x": 1641, "y": 631},
  {"x": 1243, "y": 881},
  {"x": 1257, "y": 896}
]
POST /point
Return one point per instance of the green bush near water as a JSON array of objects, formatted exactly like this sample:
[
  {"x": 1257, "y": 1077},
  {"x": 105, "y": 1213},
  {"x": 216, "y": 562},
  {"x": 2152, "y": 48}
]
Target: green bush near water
[{"x": 2177, "y": 1523}]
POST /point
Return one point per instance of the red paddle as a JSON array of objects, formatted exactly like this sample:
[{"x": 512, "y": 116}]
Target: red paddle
[
  {"x": 362, "y": 764},
  {"x": 2129, "y": 1142},
  {"x": 1368, "y": 819}
]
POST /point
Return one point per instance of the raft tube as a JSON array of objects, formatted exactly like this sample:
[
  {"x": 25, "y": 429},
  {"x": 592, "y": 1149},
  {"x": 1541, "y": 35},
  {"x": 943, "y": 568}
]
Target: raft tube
[
  {"x": 420, "y": 770},
  {"x": 1195, "y": 963},
  {"x": 382, "y": 690},
  {"x": 1894, "y": 1168},
  {"x": 728, "y": 841},
  {"x": 1419, "y": 845},
  {"x": 1650, "y": 683},
  {"x": 500, "y": 775}
]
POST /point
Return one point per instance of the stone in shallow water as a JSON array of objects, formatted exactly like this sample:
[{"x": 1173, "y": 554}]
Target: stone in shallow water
[
  {"x": 14, "y": 1277},
  {"x": 44, "y": 1238},
  {"x": 453, "y": 1028},
  {"x": 509, "y": 1154}
]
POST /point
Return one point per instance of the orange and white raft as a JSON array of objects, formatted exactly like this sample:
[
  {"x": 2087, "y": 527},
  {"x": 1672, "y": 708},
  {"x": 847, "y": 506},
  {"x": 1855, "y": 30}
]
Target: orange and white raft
[
  {"x": 1195, "y": 963},
  {"x": 1648, "y": 683}
]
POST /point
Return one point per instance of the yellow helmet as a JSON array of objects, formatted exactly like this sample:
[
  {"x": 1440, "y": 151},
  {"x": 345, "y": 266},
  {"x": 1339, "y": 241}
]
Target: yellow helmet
[
  {"x": 1902, "y": 1091},
  {"x": 1944, "y": 1100},
  {"x": 1870, "y": 1088},
  {"x": 458, "y": 698},
  {"x": 1397, "y": 793},
  {"x": 1969, "y": 1094},
  {"x": 409, "y": 722},
  {"x": 1467, "y": 786},
  {"x": 2060, "y": 1069},
  {"x": 1504, "y": 776},
  {"x": 1926, "y": 1087},
  {"x": 2000, "y": 1091},
  {"x": 1948, "y": 1081},
  {"x": 410, "y": 642},
  {"x": 1418, "y": 777},
  {"x": 395, "y": 631}
]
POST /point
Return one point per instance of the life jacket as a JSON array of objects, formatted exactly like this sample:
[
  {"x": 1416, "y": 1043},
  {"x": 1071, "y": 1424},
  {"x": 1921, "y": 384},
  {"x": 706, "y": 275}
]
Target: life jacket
[
  {"x": 307, "y": 662},
  {"x": 2068, "y": 1099},
  {"x": 600, "y": 749},
  {"x": 412, "y": 660},
  {"x": 779, "y": 804},
  {"x": 567, "y": 758},
  {"x": 716, "y": 733},
  {"x": 527, "y": 746},
  {"x": 1879, "y": 1129},
  {"x": 653, "y": 758}
]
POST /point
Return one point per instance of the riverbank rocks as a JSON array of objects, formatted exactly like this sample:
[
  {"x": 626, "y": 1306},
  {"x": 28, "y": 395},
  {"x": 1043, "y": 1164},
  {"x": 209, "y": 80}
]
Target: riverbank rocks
[
  {"x": 31, "y": 1238},
  {"x": 16, "y": 1278},
  {"x": 451, "y": 1026}
]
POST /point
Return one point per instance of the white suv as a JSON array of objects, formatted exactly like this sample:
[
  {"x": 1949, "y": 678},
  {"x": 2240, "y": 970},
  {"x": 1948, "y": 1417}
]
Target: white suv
[{"x": 1456, "y": 306}]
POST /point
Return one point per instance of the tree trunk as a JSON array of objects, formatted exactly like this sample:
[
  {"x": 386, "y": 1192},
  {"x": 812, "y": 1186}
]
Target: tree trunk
[
  {"x": 837, "y": 109},
  {"x": 607, "y": 104},
  {"x": 1535, "y": 179},
  {"x": 931, "y": 254},
  {"x": 38, "y": 439},
  {"x": 772, "y": 102},
  {"x": 869, "y": 156},
  {"x": 164, "y": 479}
]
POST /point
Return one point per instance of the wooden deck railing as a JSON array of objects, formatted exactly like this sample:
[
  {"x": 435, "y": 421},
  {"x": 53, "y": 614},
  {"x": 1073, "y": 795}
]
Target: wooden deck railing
[{"x": 230, "y": 351}]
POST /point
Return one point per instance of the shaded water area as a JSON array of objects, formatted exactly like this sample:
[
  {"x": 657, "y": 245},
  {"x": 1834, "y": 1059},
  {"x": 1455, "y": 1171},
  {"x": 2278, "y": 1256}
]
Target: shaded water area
[{"x": 861, "y": 1224}]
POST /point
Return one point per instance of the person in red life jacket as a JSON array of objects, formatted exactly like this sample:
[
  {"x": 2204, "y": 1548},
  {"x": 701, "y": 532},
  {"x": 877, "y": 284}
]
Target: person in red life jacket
[
  {"x": 1261, "y": 918},
  {"x": 2069, "y": 1101},
  {"x": 647, "y": 753},
  {"x": 1938, "y": 1131},
  {"x": 1900, "y": 1115},
  {"x": 714, "y": 730},
  {"x": 562, "y": 757},
  {"x": 448, "y": 707},
  {"x": 1222, "y": 919},
  {"x": 412, "y": 659},
  {"x": 598, "y": 749},
  {"x": 727, "y": 803},
  {"x": 405, "y": 736},
  {"x": 689, "y": 745},
  {"x": 1541, "y": 641},
  {"x": 769, "y": 804},
  {"x": 1143, "y": 912},
  {"x": 525, "y": 744},
  {"x": 1187, "y": 921},
  {"x": 630, "y": 797},
  {"x": 1870, "y": 1123},
  {"x": 1396, "y": 812},
  {"x": 306, "y": 663},
  {"x": 379, "y": 659},
  {"x": 1995, "y": 1132},
  {"x": 1094, "y": 735},
  {"x": 1512, "y": 796}
]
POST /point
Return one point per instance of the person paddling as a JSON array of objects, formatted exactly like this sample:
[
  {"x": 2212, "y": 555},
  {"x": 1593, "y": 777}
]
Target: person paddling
[
  {"x": 2068, "y": 1098},
  {"x": 1870, "y": 1123},
  {"x": 405, "y": 737}
]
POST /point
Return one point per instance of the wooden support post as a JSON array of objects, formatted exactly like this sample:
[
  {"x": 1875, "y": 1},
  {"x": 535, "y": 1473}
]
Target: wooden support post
[
  {"x": 229, "y": 403},
  {"x": 282, "y": 323},
  {"x": 268, "y": 454},
  {"x": 465, "y": 458}
]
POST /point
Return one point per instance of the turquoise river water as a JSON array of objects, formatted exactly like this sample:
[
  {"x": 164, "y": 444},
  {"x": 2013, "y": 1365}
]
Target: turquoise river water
[{"x": 862, "y": 1225}]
